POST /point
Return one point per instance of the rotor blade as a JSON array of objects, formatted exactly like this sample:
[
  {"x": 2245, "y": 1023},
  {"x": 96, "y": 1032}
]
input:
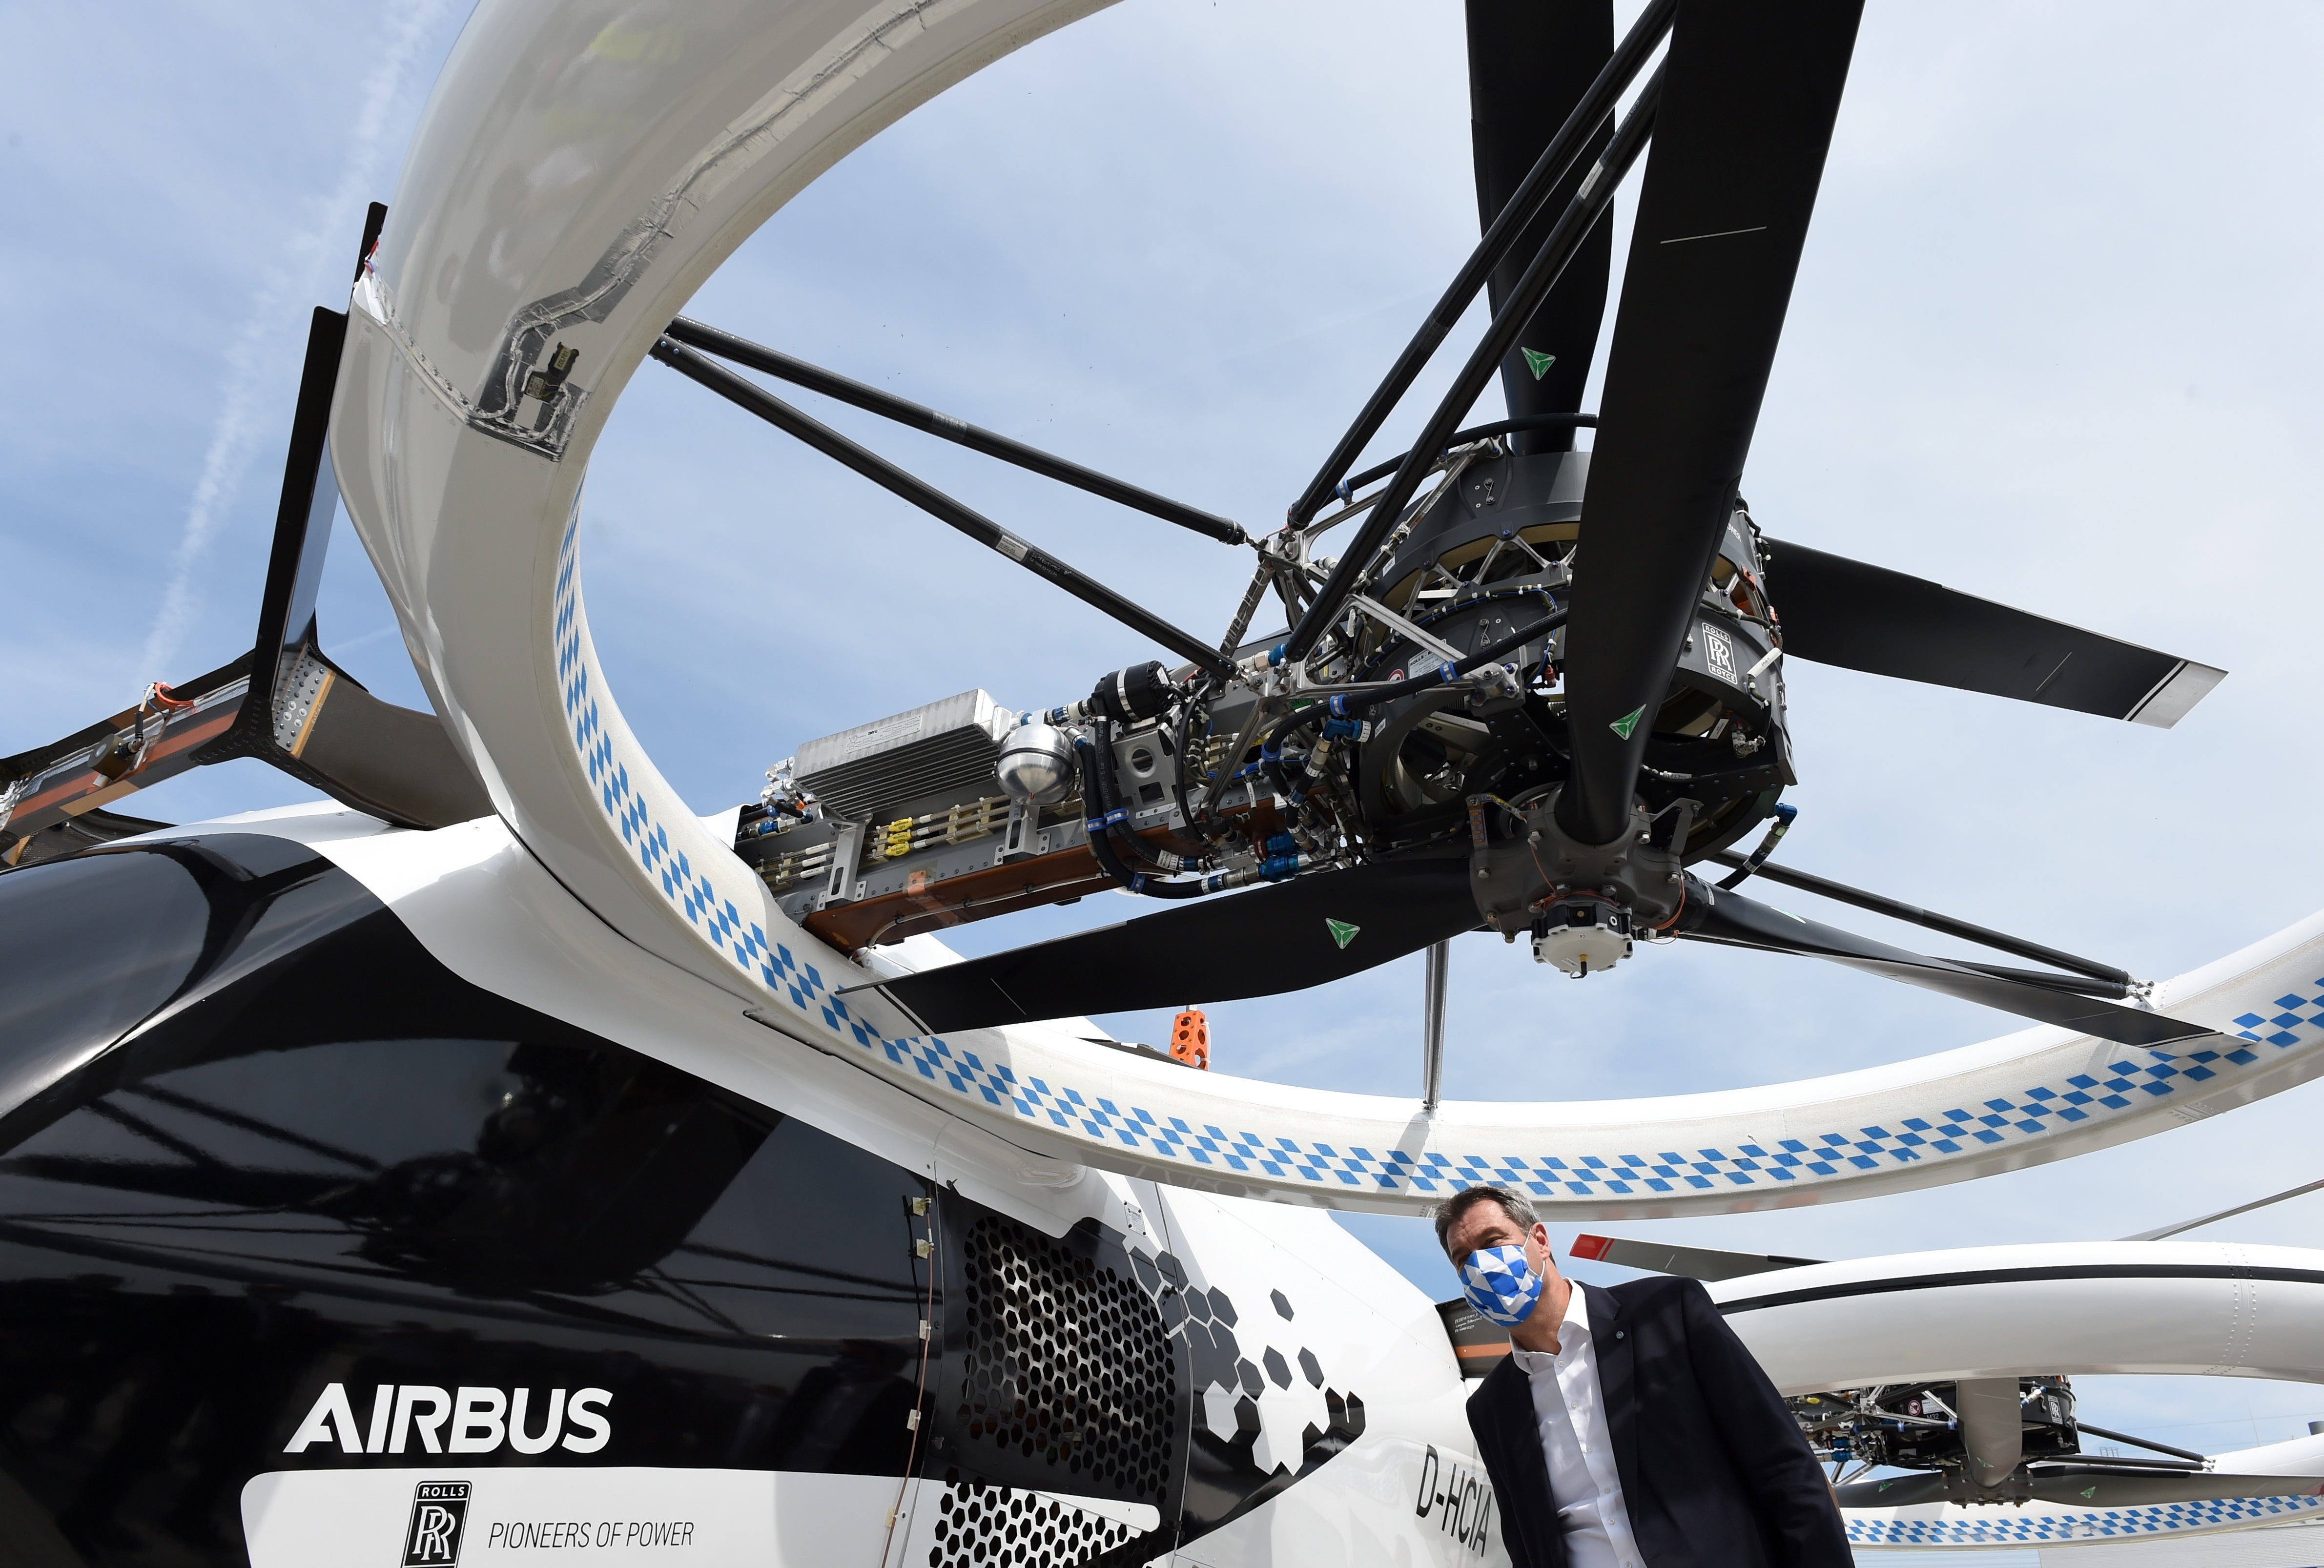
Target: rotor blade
[
  {"x": 814, "y": 378},
  {"x": 1531, "y": 64},
  {"x": 1326, "y": 926},
  {"x": 1693, "y": 1262},
  {"x": 754, "y": 398},
  {"x": 2160, "y": 1233},
  {"x": 1713, "y": 916},
  {"x": 1537, "y": 193},
  {"x": 1837, "y": 611},
  {"x": 1749, "y": 94},
  {"x": 1896, "y": 1491},
  {"x": 2093, "y": 1486},
  {"x": 1897, "y": 909}
]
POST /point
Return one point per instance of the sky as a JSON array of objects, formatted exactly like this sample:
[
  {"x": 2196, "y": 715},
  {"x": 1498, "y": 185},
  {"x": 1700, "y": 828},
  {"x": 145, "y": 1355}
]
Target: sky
[{"x": 2054, "y": 341}]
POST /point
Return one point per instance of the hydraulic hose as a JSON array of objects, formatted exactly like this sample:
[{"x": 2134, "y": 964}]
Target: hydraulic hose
[
  {"x": 1187, "y": 709},
  {"x": 1109, "y": 818}
]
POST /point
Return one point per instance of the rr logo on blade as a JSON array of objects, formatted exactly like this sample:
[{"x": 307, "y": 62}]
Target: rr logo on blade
[{"x": 439, "y": 1512}]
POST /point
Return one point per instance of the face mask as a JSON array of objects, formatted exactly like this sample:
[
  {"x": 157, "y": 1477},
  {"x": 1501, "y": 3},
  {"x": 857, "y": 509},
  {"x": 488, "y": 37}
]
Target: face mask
[{"x": 1501, "y": 1284}]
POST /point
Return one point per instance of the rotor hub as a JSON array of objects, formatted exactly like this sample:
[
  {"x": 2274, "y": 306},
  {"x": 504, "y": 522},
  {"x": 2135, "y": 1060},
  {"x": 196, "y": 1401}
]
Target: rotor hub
[
  {"x": 1584, "y": 904},
  {"x": 1581, "y": 934}
]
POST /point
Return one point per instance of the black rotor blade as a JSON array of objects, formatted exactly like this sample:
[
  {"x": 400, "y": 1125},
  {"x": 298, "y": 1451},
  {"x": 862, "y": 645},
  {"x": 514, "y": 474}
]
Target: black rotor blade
[
  {"x": 1837, "y": 611},
  {"x": 1222, "y": 948},
  {"x": 2088, "y": 1486},
  {"x": 1748, "y": 96},
  {"x": 1530, "y": 63},
  {"x": 1896, "y": 1492},
  {"x": 2091, "y": 1486},
  {"x": 1713, "y": 916}
]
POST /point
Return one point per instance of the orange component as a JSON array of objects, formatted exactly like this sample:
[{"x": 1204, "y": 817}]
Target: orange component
[{"x": 1190, "y": 1039}]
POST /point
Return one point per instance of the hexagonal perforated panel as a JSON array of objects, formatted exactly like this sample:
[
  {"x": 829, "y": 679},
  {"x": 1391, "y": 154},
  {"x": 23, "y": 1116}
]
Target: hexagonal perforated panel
[
  {"x": 1068, "y": 1363},
  {"x": 978, "y": 1525}
]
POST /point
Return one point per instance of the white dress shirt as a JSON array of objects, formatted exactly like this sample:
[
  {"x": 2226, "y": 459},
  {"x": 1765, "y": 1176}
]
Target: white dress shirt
[{"x": 1584, "y": 1485}]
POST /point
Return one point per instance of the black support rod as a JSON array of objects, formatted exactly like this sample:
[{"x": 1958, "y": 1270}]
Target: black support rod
[
  {"x": 2072, "y": 984},
  {"x": 754, "y": 398},
  {"x": 1896, "y": 910},
  {"x": 1551, "y": 167},
  {"x": 1588, "y": 204},
  {"x": 799, "y": 373},
  {"x": 2140, "y": 1442}
]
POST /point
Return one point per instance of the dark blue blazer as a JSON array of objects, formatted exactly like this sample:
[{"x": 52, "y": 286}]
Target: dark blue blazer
[{"x": 1714, "y": 1469}]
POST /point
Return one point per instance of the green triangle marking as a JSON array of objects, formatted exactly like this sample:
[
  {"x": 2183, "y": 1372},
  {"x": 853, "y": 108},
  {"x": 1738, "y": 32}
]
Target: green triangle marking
[
  {"x": 1341, "y": 932},
  {"x": 1538, "y": 363},
  {"x": 2089, "y": 1492},
  {"x": 1627, "y": 722}
]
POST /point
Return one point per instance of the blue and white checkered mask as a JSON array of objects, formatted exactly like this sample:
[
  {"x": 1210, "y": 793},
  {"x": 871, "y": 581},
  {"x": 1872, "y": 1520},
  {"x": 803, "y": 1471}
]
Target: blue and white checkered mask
[{"x": 1501, "y": 1284}]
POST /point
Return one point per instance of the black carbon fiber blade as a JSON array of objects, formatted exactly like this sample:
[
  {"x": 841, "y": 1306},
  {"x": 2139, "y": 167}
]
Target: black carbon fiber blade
[
  {"x": 1898, "y": 1491},
  {"x": 1222, "y": 948},
  {"x": 1529, "y": 63},
  {"x": 1730, "y": 917},
  {"x": 1837, "y": 611},
  {"x": 2105, "y": 1487},
  {"x": 1748, "y": 96}
]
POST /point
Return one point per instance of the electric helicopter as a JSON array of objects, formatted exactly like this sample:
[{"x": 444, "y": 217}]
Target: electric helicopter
[{"x": 498, "y": 1156}]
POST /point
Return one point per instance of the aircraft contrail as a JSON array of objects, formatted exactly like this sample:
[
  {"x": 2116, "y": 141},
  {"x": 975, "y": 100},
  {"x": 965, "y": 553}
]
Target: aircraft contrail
[{"x": 309, "y": 265}]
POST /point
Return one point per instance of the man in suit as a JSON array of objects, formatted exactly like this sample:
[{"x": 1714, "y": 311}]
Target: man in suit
[{"x": 1628, "y": 1428}]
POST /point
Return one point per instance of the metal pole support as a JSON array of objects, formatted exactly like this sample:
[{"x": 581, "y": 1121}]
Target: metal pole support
[{"x": 1432, "y": 1023}]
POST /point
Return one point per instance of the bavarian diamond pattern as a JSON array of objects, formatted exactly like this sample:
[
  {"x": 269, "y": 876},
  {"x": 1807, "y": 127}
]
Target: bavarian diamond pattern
[
  {"x": 1500, "y": 1284},
  {"x": 2141, "y": 1077},
  {"x": 2009, "y": 1527}
]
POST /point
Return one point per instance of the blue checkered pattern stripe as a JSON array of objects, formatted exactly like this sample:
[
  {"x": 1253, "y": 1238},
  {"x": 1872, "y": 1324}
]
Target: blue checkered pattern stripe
[
  {"x": 2012, "y": 1526},
  {"x": 685, "y": 885},
  {"x": 1123, "y": 1124},
  {"x": 2142, "y": 1078}
]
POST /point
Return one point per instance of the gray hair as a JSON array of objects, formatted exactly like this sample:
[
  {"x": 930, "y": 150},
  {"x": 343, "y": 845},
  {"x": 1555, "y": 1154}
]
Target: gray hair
[{"x": 1449, "y": 1212}]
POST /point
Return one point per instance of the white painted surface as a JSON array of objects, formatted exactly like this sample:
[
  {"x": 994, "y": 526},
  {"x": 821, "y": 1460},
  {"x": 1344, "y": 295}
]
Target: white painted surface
[{"x": 623, "y": 1515}]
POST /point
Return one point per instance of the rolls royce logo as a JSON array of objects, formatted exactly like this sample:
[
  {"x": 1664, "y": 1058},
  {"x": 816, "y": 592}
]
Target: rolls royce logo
[
  {"x": 1718, "y": 652},
  {"x": 439, "y": 1512}
]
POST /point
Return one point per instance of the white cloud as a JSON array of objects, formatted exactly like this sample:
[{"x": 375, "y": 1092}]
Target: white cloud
[{"x": 304, "y": 269}]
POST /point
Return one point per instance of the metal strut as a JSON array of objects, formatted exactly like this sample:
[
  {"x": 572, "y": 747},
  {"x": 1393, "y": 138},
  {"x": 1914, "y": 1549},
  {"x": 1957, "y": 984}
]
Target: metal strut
[
  {"x": 757, "y": 400},
  {"x": 887, "y": 405},
  {"x": 1581, "y": 214},
  {"x": 1508, "y": 226}
]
